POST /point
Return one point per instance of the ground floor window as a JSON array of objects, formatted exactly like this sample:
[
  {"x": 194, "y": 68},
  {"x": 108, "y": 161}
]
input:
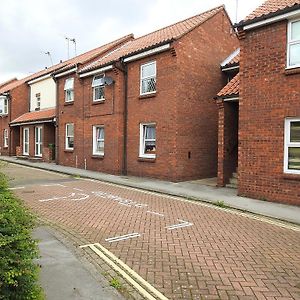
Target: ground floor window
[
  {"x": 148, "y": 140},
  {"x": 26, "y": 141},
  {"x": 38, "y": 140},
  {"x": 98, "y": 140},
  {"x": 5, "y": 138},
  {"x": 69, "y": 136},
  {"x": 292, "y": 146}
]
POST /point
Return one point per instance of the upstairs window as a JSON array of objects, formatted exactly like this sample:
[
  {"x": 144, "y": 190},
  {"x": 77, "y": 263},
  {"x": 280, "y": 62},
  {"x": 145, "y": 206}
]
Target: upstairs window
[
  {"x": 292, "y": 146},
  {"x": 5, "y": 138},
  {"x": 3, "y": 106},
  {"x": 38, "y": 100},
  {"x": 69, "y": 136},
  {"x": 98, "y": 88},
  {"x": 98, "y": 140},
  {"x": 69, "y": 90},
  {"x": 293, "y": 57},
  {"x": 148, "y": 140},
  {"x": 148, "y": 78}
]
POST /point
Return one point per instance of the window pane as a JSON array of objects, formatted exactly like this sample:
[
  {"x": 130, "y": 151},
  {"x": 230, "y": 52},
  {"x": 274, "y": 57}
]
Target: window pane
[
  {"x": 294, "y": 54},
  {"x": 295, "y": 132},
  {"x": 150, "y": 132},
  {"x": 100, "y": 146},
  {"x": 70, "y": 130},
  {"x": 149, "y": 85},
  {"x": 150, "y": 147},
  {"x": 97, "y": 81},
  {"x": 69, "y": 84},
  {"x": 99, "y": 93},
  {"x": 295, "y": 31},
  {"x": 294, "y": 159},
  {"x": 148, "y": 70},
  {"x": 70, "y": 142}
]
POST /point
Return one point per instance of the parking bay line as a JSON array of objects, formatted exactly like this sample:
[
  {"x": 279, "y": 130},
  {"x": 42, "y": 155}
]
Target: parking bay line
[
  {"x": 139, "y": 283},
  {"x": 122, "y": 237}
]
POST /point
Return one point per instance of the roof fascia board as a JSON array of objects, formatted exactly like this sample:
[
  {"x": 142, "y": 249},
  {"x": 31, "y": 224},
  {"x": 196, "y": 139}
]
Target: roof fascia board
[
  {"x": 230, "y": 57},
  {"x": 32, "y": 122},
  {"x": 39, "y": 79},
  {"x": 267, "y": 21},
  {"x": 231, "y": 99},
  {"x": 57, "y": 75},
  {"x": 100, "y": 70},
  {"x": 231, "y": 68},
  {"x": 148, "y": 53}
]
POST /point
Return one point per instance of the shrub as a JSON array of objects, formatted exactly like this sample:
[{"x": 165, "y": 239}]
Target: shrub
[{"x": 18, "y": 273}]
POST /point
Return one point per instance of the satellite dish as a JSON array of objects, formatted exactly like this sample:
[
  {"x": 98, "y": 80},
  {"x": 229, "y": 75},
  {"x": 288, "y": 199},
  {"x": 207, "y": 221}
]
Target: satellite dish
[{"x": 108, "y": 80}]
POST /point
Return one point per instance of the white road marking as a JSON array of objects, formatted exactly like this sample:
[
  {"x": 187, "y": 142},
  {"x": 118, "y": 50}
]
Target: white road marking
[
  {"x": 53, "y": 184},
  {"x": 17, "y": 188},
  {"x": 139, "y": 283},
  {"x": 122, "y": 237},
  {"x": 70, "y": 197},
  {"x": 155, "y": 213},
  {"x": 76, "y": 189},
  {"x": 182, "y": 224}
]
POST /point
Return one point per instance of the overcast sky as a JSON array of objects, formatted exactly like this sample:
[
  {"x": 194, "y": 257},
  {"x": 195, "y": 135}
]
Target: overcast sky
[{"x": 29, "y": 28}]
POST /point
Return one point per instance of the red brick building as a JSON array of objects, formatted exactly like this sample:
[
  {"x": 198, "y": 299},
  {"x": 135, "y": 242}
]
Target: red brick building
[
  {"x": 145, "y": 108},
  {"x": 269, "y": 105}
]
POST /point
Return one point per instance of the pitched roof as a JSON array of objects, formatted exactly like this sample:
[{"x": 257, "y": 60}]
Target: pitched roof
[
  {"x": 270, "y": 7},
  {"x": 232, "y": 60},
  {"x": 156, "y": 38},
  {"x": 232, "y": 87},
  {"x": 32, "y": 116},
  {"x": 7, "y": 82},
  {"x": 68, "y": 63}
]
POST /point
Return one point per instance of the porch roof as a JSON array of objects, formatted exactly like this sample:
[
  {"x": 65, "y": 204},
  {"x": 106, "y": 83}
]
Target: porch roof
[
  {"x": 231, "y": 88},
  {"x": 33, "y": 117},
  {"x": 232, "y": 60}
]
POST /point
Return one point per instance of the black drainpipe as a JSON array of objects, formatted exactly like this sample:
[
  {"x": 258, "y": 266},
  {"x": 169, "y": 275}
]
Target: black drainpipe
[{"x": 124, "y": 168}]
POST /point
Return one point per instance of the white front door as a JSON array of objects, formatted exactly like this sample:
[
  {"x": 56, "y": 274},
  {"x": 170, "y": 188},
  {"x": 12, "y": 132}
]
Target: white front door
[
  {"x": 25, "y": 141},
  {"x": 38, "y": 141}
]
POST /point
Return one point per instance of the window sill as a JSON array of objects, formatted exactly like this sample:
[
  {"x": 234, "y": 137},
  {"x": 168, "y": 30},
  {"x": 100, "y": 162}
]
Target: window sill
[
  {"x": 98, "y": 156},
  {"x": 69, "y": 150},
  {"x": 98, "y": 102},
  {"x": 145, "y": 96},
  {"x": 291, "y": 71},
  {"x": 291, "y": 176},
  {"x": 147, "y": 159},
  {"x": 68, "y": 103},
  {"x": 5, "y": 147},
  {"x": 4, "y": 115}
]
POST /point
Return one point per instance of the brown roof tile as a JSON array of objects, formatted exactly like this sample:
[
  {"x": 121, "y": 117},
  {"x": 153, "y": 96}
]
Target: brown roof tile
[
  {"x": 232, "y": 87},
  {"x": 269, "y": 7},
  {"x": 156, "y": 38},
  {"x": 41, "y": 115}
]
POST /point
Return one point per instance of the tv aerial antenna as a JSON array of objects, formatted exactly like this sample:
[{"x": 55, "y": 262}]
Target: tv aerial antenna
[
  {"x": 236, "y": 10},
  {"x": 72, "y": 40},
  {"x": 49, "y": 55}
]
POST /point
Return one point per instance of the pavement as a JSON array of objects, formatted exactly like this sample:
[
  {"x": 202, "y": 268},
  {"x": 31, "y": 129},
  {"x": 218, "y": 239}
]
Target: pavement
[
  {"x": 64, "y": 276},
  {"x": 173, "y": 247},
  {"x": 191, "y": 189}
]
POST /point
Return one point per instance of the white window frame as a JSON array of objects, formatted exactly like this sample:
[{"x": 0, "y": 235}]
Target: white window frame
[
  {"x": 142, "y": 141},
  {"x": 291, "y": 42},
  {"x": 38, "y": 135},
  {"x": 24, "y": 142},
  {"x": 147, "y": 77},
  {"x": 288, "y": 144},
  {"x": 5, "y": 138},
  {"x": 98, "y": 86},
  {"x": 5, "y": 105},
  {"x": 38, "y": 100},
  {"x": 69, "y": 89},
  {"x": 95, "y": 140},
  {"x": 68, "y": 136}
]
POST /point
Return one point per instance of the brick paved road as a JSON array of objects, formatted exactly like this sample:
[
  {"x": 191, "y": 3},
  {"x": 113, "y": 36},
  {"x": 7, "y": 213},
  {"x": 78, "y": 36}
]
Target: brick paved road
[{"x": 212, "y": 254}]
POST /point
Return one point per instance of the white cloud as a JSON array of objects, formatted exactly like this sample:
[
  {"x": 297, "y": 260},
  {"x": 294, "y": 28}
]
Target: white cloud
[{"x": 30, "y": 28}]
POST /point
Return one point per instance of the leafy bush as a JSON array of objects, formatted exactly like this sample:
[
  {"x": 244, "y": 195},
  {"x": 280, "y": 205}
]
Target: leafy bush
[{"x": 18, "y": 273}]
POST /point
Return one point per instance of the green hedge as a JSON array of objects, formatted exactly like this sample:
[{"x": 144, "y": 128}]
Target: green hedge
[{"x": 18, "y": 272}]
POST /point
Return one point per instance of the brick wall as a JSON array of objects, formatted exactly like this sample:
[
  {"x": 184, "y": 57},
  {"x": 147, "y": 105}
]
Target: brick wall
[
  {"x": 267, "y": 96},
  {"x": 85, "y": 114}
]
